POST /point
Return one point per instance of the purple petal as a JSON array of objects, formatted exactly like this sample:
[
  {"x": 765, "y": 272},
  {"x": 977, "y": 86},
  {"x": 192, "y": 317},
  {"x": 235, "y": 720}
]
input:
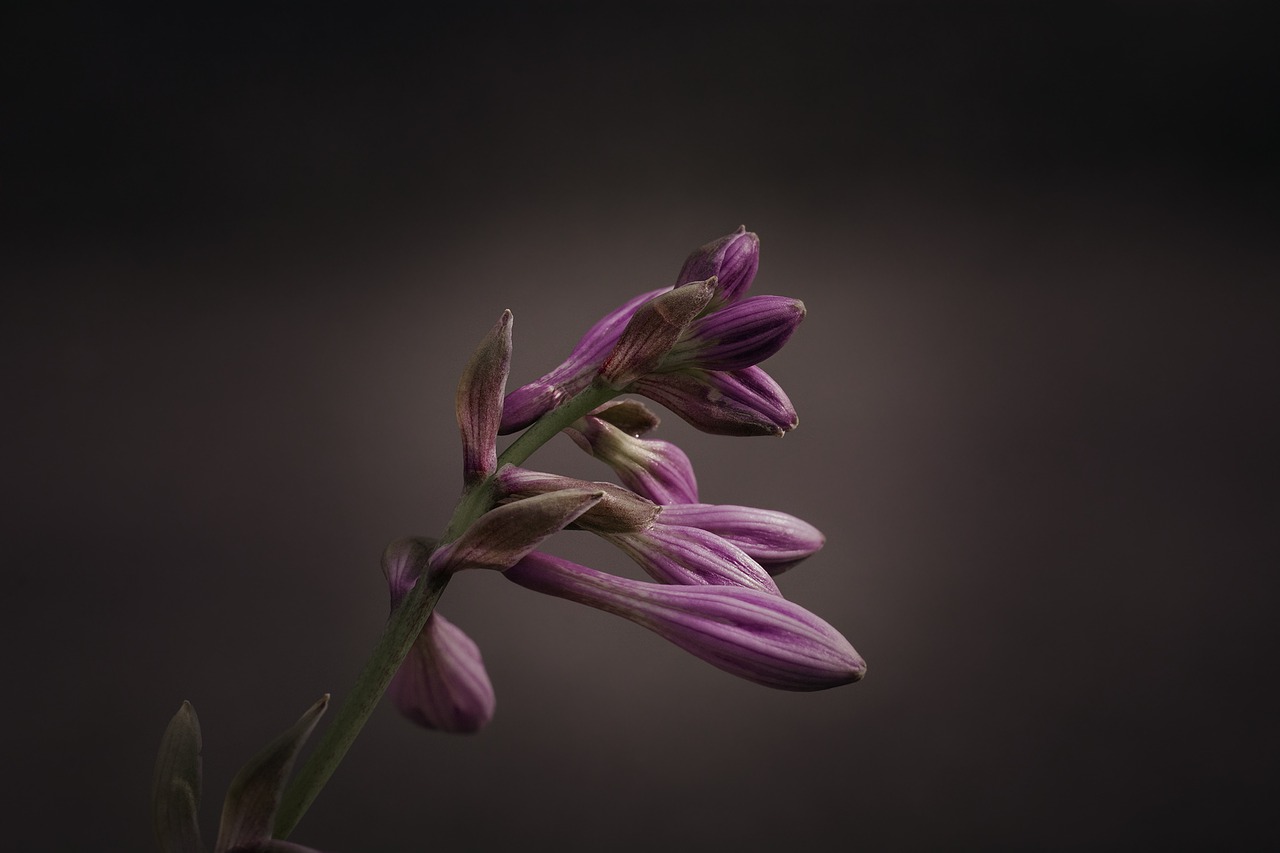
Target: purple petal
[
  {"x": 403, "y": 562},
  {"x": 619, "y": 510},
  {"x": 506, "y": 533},
  {"x": 653, "y": 331},
  {"x": 249, "y": 812},
  {"x": 739, "y": 402},
  {"x": 732, "y": 259},
  {"x": 775, "y": 540},
  {"x": 689, "y": 556},
  {"x": 479, "y": 401},
  {"x": 442, "y": 683},
  {"x": 757, "y": 636},
  {"x": 529, "y": 402},
  {"x": 737, "y": 336},
  {"x": 652, "y": 468}
]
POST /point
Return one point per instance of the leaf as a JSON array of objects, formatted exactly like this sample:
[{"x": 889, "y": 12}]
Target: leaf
[{"x": 175, "y": 793}]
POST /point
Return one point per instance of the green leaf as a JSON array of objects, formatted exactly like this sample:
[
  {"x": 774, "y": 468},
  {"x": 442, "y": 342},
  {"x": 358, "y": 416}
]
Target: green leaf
[
  {"x": 175, "y": 793},
  {"x": 254, "y": 795}
]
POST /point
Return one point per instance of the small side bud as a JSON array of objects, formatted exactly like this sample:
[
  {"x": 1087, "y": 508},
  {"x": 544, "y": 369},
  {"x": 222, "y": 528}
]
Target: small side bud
[
  {"x": 479, "y": 401},
  {"x": 506, "y": 533},
  {"x": 619, "y": 510},
  {"x": 442, "y": 683},
  {"x": 652, "y": 468}
]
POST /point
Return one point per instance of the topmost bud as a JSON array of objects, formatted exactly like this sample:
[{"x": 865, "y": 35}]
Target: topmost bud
[{"x": 733, "y": 260}]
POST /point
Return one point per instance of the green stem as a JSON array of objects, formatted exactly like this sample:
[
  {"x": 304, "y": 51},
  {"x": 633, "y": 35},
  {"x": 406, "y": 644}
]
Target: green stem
[
  {"x": 407, "y": 620},
  {"x": 403, "y": 628}
]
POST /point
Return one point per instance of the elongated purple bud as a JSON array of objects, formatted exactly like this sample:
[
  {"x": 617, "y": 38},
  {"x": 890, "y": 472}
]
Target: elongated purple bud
[
  {"x": 775, "y": 540},
  {"x": 751, "y": 634},
  {"x": 656, "y": 327},
  {"x": 689, "y": 556},
  {"x": 506, "y": 533},
  {"x": 739, "y": 402},
  {"x": 619, "y": 510},
  {"x": 442, "y": 683},
  {"x": 479, "y": 401},
  {"x": 737, "y": 336},
  {"x": 652, "y": 468},
  {"x": 529, "y": 402},
  {"x": 732, "y": 259}
]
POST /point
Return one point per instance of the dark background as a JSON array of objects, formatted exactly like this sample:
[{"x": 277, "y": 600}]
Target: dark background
[{"x": 246, "y": 253}]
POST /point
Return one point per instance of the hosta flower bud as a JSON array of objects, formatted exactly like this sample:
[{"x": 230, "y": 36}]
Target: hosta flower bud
[
  {"x": 529, "y": 402},
  {"x": 656, "y": 327},
  {"x": 442, "y": 683},
  {"x": 479, "y": 401},
  {"x": 631, "y": 416},
  {"x": 619, "y": 510},
  {"x": 652, "y": 468},
  {"x": 757, "y": 636},
  {"x": 732, "y": 259},
  {"x": 689, "y": 556},
  {"x": 737, "y": 336},
  {"x": 506, "y": 533},
  {"x": 775, "y": 540},
  {"x": 739, "y": 402}
]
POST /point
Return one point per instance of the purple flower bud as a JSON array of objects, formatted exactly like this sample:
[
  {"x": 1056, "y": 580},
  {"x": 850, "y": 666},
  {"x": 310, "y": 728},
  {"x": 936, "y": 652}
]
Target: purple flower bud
[
  {"x": 775, "y": 540},
  {"x": 654, "y": 329},
  {"x": 442, "y": 683},
  {"x": 732, "y": 259},
  {"x": 738, "y": 402},
  {"x": 652, "y": 468},
  {"x": 757, "y": 636},
  {"x": 479, "y": 401},
  {"x": 506, "y": 533},
  {"x": 620, "y": 510},
  {"x": 688, "y": 556},
  {"x": 529, "y": 402},
  {"x": 737, "y": 336}
]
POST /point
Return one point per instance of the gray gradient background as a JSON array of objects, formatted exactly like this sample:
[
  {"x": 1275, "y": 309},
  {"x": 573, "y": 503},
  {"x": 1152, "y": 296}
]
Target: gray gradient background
[{"x": 246, "y": 255}]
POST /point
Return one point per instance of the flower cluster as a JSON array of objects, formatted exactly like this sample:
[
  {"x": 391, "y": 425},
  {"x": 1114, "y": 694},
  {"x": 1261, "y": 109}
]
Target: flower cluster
[{"x": 695, "y": 349}]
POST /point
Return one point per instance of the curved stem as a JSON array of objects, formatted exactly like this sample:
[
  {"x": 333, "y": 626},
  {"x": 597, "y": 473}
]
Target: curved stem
[
  {"x": 403, "y": 628},
  {"x": 407, "y": 620}
]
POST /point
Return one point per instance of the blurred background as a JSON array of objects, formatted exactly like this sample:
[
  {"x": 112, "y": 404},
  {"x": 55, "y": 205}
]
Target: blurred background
[{"x": 246, "y": 254}]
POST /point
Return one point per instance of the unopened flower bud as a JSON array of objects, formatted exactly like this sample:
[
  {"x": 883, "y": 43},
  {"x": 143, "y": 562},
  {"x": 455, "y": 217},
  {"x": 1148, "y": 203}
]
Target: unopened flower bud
[
  {"x": 653, "y": 331},
  {"x": 619, "y": 510},
  {"x": 739, "y": 402},
  {"x": 689, "y": 556},
  {"x": 631, "y": 416},
  {"x": 775, "y": 540},
  {"x": 652, "y": 468},
  {"x": 732, "y": 259},
  {"x": 529, "y": 402},
  {"x": 737, "y": 336},
  {"x": 479, "y": 401},
  {"x": 757, "y": 636},
  {"x": 506, "y": 533},
  {"x": 442, "y": 683}
]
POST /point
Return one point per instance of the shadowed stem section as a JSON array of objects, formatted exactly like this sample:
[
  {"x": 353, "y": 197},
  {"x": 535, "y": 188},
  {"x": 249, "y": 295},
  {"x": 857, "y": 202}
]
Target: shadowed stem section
[
  {"x": 403, "y": 628},
  {"x": 407, "y": 620}
]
